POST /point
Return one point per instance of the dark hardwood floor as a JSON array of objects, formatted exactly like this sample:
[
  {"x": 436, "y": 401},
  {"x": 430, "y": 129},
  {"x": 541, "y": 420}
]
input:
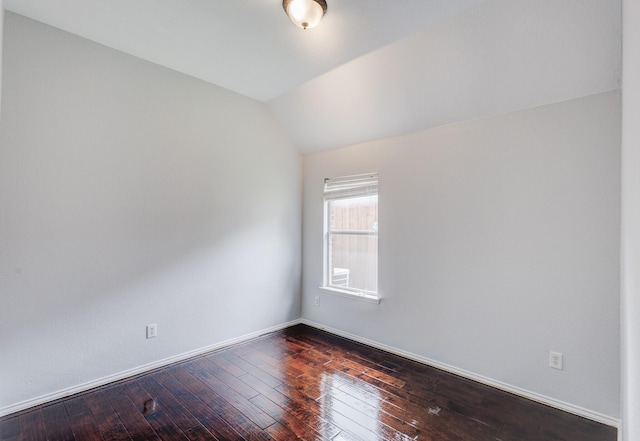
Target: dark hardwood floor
[{"x": 299, "y": 383}]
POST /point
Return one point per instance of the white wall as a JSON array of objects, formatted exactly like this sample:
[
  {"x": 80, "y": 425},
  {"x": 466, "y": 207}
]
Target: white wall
[
  {"x": 131, "y": 194},
  {"x": 499, "y": 241},
  {"x": 1, "y": 36},
  {"x": 631, "y": 223}
]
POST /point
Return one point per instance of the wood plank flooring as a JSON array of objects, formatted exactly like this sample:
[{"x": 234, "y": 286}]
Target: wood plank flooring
[{"x": 299, "y": 383}]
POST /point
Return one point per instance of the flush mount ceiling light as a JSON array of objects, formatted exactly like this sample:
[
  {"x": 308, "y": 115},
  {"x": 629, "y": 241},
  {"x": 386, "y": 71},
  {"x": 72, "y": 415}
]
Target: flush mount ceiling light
[{"x": 305, "y": 14}]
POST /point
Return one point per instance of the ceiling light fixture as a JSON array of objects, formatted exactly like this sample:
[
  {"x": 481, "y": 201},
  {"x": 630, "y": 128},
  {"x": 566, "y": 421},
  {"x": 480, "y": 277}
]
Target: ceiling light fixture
[{"x": 305, "y": 14}]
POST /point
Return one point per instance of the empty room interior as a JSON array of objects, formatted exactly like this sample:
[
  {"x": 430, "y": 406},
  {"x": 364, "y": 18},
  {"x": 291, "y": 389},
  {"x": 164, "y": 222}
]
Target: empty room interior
[{"x": 173, "y": 184}]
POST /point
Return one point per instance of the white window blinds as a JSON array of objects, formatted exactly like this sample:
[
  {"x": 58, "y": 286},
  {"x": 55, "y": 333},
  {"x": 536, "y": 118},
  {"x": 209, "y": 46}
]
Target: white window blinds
[{"x": 351, "y": 186}]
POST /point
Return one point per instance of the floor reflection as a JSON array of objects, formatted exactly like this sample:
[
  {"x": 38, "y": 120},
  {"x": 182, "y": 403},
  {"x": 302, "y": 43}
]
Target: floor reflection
[{"x": 351, "y": 404}]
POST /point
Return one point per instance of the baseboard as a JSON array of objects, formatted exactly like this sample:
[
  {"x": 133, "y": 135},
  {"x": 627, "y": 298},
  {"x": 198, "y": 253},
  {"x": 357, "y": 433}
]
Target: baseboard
[
  {"x": 576, "y": 410},
  {"x": 138, "y": 370}
]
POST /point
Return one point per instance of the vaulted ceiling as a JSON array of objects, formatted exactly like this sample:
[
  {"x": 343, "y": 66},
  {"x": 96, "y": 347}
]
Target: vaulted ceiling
[{"x": 372, "y": 68}]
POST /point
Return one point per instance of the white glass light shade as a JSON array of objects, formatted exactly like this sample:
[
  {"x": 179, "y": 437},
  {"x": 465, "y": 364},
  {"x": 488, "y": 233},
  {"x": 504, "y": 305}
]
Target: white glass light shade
[{"x": 305, "y": 13}]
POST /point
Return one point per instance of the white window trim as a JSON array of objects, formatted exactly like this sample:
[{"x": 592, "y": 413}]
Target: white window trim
[
  {"x": 355, "y": 294},
  {"x": 369, "y": 298}
]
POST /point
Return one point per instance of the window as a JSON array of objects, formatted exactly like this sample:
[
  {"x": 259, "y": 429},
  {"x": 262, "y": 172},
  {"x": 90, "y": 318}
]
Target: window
[{"x": 351, "y": 235}]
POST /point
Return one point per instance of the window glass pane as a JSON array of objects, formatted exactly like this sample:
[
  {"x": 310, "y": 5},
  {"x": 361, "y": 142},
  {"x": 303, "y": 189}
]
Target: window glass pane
[
  {"x": 354, "y": 261},
  {"x": 353, "y": 243},
  {"x": 354, "y": 214}
]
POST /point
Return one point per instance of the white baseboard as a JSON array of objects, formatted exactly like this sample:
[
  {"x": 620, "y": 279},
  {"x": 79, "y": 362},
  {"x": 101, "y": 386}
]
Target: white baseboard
[
  {"x": 576, "y": 410},
  {"x": 136, "y": 371}
]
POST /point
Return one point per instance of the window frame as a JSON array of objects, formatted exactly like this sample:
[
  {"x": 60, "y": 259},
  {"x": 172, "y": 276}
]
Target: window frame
[{"x": 348, "y": 187}]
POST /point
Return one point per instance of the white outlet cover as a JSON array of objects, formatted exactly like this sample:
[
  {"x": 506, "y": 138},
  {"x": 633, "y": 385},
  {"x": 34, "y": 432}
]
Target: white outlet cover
[
  {"x": 152, "y": 330},
  {"x": 555, "y": 360}
]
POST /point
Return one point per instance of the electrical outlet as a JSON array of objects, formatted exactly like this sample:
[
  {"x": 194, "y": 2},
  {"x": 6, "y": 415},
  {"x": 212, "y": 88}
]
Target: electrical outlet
[
  {"x": 555, "y": 360},
  {"x": 152, "y": 330},
  {"x": 317, "y": 301}
]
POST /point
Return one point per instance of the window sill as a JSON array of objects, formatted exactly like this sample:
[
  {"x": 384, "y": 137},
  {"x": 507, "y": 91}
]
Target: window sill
[{"x": 352, "y": 295}]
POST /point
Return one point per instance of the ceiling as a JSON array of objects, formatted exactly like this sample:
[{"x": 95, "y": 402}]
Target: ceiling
[
  {"x": 248, "y": 46},
  {"x": 372, "y": 68}
]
